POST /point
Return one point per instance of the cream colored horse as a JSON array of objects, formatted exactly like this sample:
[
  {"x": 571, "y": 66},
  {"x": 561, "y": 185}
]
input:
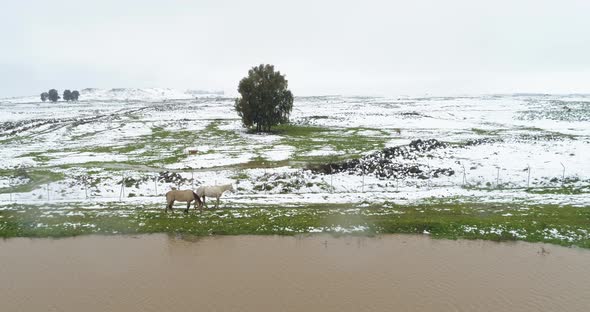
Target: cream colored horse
[
  {"x": 184, "y": 196},
  {"x": 213, "y": 191}
]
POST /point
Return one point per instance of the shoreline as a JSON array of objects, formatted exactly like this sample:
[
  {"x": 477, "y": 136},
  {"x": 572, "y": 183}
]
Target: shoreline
[{"x": 190, "y": 238}]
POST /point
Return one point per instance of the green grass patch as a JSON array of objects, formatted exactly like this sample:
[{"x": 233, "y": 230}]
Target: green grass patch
[
  {"x": 565, "y": 190},
  {"x": 344, "y": 142},
  {"x": 162, "y": 146},
  {"x": 563, "y": 225},
  {"x": 294, "y": 130},
  {"x": 129, "y": 148},
  {"x": 213, "y": 131},
  {"x": 240, "y": 176},
  {"x": 542, "y": 134},
  {"x": 168, "y": 147},
  {"x": 37, "y": 156},
  {"x": 485, "y": 132}
]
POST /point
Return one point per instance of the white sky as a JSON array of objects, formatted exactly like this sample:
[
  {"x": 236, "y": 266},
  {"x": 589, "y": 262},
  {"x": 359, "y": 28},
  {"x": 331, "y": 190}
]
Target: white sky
[{"x": 324, "y": 47}]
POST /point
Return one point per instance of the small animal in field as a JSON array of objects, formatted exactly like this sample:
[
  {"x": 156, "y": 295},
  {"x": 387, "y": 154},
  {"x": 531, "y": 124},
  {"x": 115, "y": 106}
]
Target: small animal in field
[
  {"x": 213, "y": 191},
  {"x": 184, "y": 196}
]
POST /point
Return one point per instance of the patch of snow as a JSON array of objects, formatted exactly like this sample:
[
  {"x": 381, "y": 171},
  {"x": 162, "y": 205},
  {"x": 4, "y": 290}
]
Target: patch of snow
[{"x": 278, "y": 153}]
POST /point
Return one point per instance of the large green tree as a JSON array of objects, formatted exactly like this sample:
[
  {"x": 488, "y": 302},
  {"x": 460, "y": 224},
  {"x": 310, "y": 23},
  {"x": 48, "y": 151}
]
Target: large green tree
[{"x": 265, "y": 98}]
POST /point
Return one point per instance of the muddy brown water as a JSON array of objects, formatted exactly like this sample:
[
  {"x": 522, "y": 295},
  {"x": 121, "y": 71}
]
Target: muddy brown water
[{"x": 271, "y": 273}]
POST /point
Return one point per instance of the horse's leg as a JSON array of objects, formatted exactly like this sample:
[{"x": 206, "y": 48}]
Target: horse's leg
[
  {"x": 171, "y": 205},
  {"x": 200, "y": 204},
  {"x": 204, "y": 200},
  {"x": 217, "y": 204},
  {"x": 188, "y": 204}
]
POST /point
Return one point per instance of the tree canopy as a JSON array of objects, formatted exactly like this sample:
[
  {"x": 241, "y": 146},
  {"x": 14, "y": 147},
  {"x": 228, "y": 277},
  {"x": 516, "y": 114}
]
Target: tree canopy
[
  {"x": 75, "y": 95},
  {"x": 67, "y": 95},
  {"x": 265, "y": 98},
  {"x": 53, "y": 96}
]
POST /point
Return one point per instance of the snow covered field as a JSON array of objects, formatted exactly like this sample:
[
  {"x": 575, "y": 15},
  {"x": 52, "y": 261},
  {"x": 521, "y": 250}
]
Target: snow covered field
[
  {"x": 497, "y": 148},
  {"x": 498, "y": 167}
]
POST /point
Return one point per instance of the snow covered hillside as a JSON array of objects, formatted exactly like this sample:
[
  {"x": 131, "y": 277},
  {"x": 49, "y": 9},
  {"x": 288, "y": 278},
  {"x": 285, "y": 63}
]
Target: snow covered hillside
[{"x": 494, "y": 148}]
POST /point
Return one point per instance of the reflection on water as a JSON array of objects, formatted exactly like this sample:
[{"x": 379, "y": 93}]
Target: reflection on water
[{"x": 258, "y": 273}]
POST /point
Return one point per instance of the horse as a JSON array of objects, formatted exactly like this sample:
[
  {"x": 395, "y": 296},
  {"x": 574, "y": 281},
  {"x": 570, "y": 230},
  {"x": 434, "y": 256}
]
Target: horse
[
  {"x": 184, "y": 196},
  {"x": 213, "y": 191}
]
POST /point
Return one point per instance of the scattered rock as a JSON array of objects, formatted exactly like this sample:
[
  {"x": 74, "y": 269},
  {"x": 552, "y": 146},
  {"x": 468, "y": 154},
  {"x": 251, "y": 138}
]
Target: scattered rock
[
  {"x": 386, "y": 164},
  {"x": 480, "y": 141},
  {"x": 171, "y": 177}
]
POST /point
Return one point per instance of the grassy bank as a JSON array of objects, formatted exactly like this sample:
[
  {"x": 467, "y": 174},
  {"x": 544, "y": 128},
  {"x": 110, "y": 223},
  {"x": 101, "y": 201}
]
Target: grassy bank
[{"x": 563, "y": 225}]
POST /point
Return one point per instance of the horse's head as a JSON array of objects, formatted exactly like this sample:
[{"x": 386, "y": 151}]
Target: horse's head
[{"x": 197, "y": 198}]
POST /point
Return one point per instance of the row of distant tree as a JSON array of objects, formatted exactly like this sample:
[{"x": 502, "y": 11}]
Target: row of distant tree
[
  {"x": 52, "y": 95},
  {"x": 265, "y": 99}
]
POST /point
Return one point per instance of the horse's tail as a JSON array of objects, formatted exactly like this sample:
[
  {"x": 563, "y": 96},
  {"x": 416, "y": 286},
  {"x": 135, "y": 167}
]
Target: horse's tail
[{"x": 197, "y": 198}]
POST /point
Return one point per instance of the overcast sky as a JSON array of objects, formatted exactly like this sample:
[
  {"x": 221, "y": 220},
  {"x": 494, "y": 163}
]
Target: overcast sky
[{"x": 324, "y": 47}]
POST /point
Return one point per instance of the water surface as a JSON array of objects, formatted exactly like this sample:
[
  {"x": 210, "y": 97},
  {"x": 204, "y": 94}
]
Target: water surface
[{"x": 271, "y": 273}]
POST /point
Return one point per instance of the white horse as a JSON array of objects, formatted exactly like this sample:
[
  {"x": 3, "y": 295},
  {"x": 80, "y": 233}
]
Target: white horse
[{"x": 213, "y": 191}]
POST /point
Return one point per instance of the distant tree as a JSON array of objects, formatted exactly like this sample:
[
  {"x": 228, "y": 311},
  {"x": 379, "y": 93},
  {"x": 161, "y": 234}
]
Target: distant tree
[
  {"x": 53, "y": 96},
  {"x": 75, "y": 95},
  {"x": 265, "y": 98},
  {"x": 44, "y": 96},
  {"x": 67, "y": 95}
]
